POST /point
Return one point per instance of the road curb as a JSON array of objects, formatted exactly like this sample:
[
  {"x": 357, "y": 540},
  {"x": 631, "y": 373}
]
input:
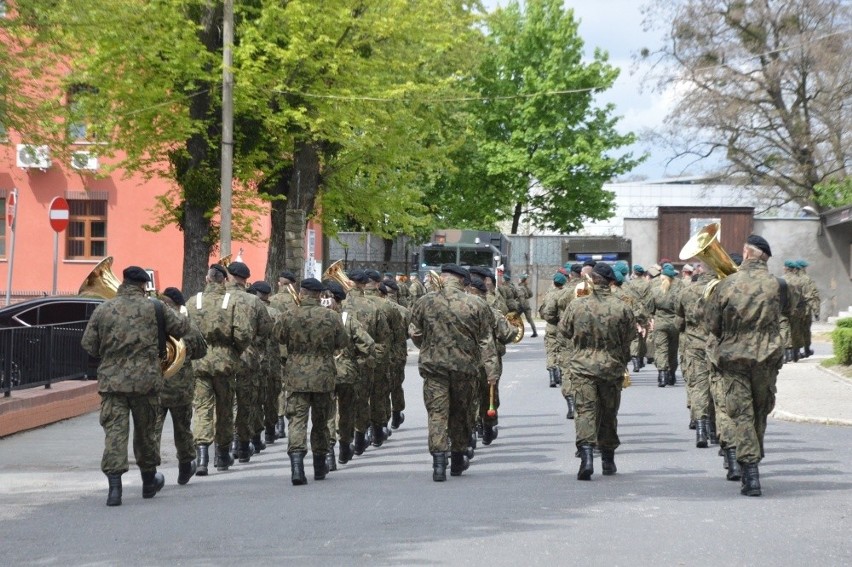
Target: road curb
[
  {"x": 36, "y": 407},
  {"x": 796, "y": 418}
]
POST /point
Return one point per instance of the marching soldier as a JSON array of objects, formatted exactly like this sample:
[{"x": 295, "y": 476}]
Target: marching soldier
[
  {"x": 664, "y": 298},
  {"x": 398, "y": 358},
  {"x": 283, "y": 301},
  {"x": 551, "y": 337},
  {"x": 416, "y": 289},
  {"x": 524, "y": 295},
  {"x": 493, "y": 298},
  {"x": 509, "y": 293},
  {"x": 124, "y": 332},
  {"x": 312, "y": 335},
  {"x": 402, "y": 290},
  {"x": 639, "y": 286},
  {"x": 380, "y": 407},
  {"x": 812, "y": 299},
  {"x": 270, "y": 364}
]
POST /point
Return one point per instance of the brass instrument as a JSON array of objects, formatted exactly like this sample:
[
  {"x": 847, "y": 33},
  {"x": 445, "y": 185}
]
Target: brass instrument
[
  {"x": 706, "y": 247},
  {"x": 294, "y": 294},
  {"x": 436, "y": 282},
  {"x": 585, "y": 287},
  {"x": 335, "y": 272},
  {"x": 225, "y": 260},
  {"x": 101, "y": 282},
  {"x": 514, "y": 319}
]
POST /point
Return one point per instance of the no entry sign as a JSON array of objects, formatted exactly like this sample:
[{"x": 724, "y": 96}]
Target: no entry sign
[
  {"x": 58, "y": 214},
  {"x": 11, "y": 208}
]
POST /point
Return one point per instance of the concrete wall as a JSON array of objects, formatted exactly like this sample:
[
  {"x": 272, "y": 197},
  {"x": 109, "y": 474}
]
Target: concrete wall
[{"x": 643, "y": 237}]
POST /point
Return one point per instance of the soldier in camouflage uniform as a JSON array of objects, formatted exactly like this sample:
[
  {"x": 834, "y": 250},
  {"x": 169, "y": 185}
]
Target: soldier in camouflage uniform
[
  {"x": 453, "y": 332},
  {"x": 359, "y": 347},
  {"x": 124, "y": 333},
  {"x": 551, "y": 311},
  {"x": 600, "y": 328},
  {"x": 493, "y": 298},
  {"x": 366, "y": 310},
  {"x": 742, "y": 315},
  {"x": 509, "y": 293},
  {"x": 551, "y": 336},
  {"x": 664, "y": 298},
  {"x": 639, "y": 286},
  {"x": 312, "y": 334},
  {"x": 811, "y": 293},
  {"x": 380, "y": 410},
  {"x": 283, "y": 301},
  {"x": 177, "y": 392},
  {"x": 398, "y": 357},
  {"x": 227, "y": 328},
  {"x": 791, "y": 327},
  {"x": 524, "y": 295},
  {"x": 270, "y": 364},
  {"x": 249, "y": 382},
  {"x": 402, "y": 293},
  {"x": 416, "y": 289}
]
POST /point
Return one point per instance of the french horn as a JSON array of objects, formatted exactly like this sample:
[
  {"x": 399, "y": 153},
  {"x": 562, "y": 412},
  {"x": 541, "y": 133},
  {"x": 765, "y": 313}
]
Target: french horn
[{"x": 101, "y": 282}]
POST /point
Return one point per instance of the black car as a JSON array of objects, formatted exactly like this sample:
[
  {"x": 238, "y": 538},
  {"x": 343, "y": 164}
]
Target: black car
[{"x": 40, "y": 341}]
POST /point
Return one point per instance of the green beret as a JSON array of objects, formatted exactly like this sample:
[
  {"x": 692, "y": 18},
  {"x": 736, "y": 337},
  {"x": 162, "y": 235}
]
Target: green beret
[
  {"x": 803, "y": 263},
  {"x": 792, "y": 264},
  {"x": 638, "y": 269},
  {"x": 559, "y": 279},
  {"x": 668, "y": 270}
]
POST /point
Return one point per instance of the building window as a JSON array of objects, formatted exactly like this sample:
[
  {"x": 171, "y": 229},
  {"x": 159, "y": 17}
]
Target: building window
[
  {"x": 78, "y": 98},
  {"x": 3, "y": 227},
  {"x": 86, "y": 234}
]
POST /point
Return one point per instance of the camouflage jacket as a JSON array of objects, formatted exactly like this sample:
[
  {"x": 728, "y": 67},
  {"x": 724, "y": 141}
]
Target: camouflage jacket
[
  {"x": 179, "y": 390},
  {"x": 370, "y": 315},
  {"x": 416, "y": 290},
  {"x": 799, "y": 306},
  {"x": 454, "y": 334},
  {"x": 599, "y": 328},
  {"x": 663, "y": 304},
  {"x": 742, "y": 315},
  {"x": 227, "y": 327},
  {"x": 640, "y": 288},
  {"x": 524, "y": 294},
  {"x": 640, "y": 314},
  {"x": 313, "y": 334},
  {"x": 554, "y": 304},
  {"x": 358, "y": 349},
  {"x": 811, "y": 293},
  {"x": 510, "y": 296},
  {"x": 123, "y": 333},
  {"x": 261, "y": 322},
  {"x": 283, "y": 300},
  {"x": 403, "y": 294},
  {"x": 399, "y": 350},
  {"x": 690, "y": 313},
  {"x": 496, "y": 301},
  {"x": 502, "y": 331},
  {"x": 397, "y": 333},
  {"x": 270, "y": 358}
]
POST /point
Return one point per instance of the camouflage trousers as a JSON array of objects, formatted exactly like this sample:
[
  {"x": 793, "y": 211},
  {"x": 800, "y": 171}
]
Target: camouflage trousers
[
  {"x": 597, "y": 400},
  {"x": 380, "y": 399},
  {"x": 362, "y": 388},
  {"x": 397, "y": 377},
  {"x": 182, "y": 426},
  {"x": 528, "y": 314},
  {"x": 724, "y": 425},
  {"x": 116, "y": 410},
  {"x": 299, "y": 406},
  {"x": 214, "y": 410},
  {"x": 749, "y": 399},
  {"x": 483, "y": 395},
  {"x": 696, "y": 373},
  {"x": 341, "y": 419},
  {"x": 665, "y": 344},
  {"x": 248, "y": 396},
  {"x": 639, "y": 345},
  {"x": 448, "y": 403},
  {"x": 269, "y": 402},
  {"x": 550, "y": 349}
]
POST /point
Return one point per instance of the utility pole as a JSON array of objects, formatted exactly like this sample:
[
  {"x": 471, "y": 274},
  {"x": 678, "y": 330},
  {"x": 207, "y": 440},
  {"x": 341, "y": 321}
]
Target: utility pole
[{"x": 227, "y": 126}]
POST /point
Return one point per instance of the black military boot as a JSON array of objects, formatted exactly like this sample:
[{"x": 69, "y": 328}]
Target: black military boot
[
  {"x": 788, "y": 355},
  {"x": 471, "y": 445},
  {"x": 587, "y": 460},
  {"x": 297, "y": 468},
  {"x": 712, "y": 436},
  {"x": 360, "y": 443},
  {"x": 552, "y": 372},
  {"x": 458, "y": 463},
  {"x": 693, "y": 423},
  {"x": 202, "y": 457},
  {"x": 114, "y": 496},
  {"x": 397, "y": 419},
  {"x": 636, "y": 365},
  {"x": 701, "y": 433},
  {"x": 186, "y": 471},
  {"x": 378, "y": 437},
  {"x": 386, "y": 432},
  {"x": 320, "y": 466},
  {"x": 269, "y": 434},
  {"x": 345, "y": 453},
  {"x": 808, "y": 351},
  {"x": 661, "y": 378},
  {"x": 152, "y": 483},
  {"x": 569, "y": 399},
  {"x": 671, "y": 378},
  {"x": 281, "y": 428},
  {"x": 478, "y": 427},
  {"x": 796, "y": 356},
  {"x": 608, "y": 462},
  {"x": 439, "y": 466},
  {"x": 244, "y": 452},
  {"x": 489, "y": 434},
  {"x": 734, "y": 472},
  {"x": 259, "y": 445},
  {"x": 558, "y": 372},
  {"x": 331, "y": 460},
  {"x": 751, "y": 480},
  {"x": 235, "y": 447},
  {"x": 223, "y": 458}
]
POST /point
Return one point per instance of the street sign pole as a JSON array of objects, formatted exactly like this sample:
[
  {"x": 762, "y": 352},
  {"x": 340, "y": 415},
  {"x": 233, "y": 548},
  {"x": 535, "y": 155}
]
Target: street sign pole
[
  {"x": 58, "y": 215},
  {"x": 55, "y": 260},
  {"x": 11, "y": 218}
]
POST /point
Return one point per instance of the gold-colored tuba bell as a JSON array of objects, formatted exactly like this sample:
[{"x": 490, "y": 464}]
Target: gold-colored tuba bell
[
  {"x": 335, "y": 272},
  {"x": 706, "y": 247},
  {"x": 101, "y": 282},
  {"x": 514, "y": 319}
]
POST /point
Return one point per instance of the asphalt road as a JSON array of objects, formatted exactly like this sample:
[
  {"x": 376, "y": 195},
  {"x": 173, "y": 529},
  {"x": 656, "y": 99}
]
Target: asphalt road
[{"x": 518, "y": 504}]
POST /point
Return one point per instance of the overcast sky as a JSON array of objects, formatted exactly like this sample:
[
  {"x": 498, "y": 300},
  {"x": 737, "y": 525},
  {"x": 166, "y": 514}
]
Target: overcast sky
[{"x": 616, "y": 27}]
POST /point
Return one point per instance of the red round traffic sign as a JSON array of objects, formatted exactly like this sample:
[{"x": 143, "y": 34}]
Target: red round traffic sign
[
  {"x": 11, "y": 206},
  {"x": 58, "y": 214}
]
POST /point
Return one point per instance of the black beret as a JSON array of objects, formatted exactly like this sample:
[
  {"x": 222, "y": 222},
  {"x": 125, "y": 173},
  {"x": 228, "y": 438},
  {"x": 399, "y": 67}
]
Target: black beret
[
  {"x": 383, "y": 289},
  {"x": 760, "y": 243},
  {"x": 336, "y": 290},
  {"x": 374, "y": 275},
  {"x": 219, "y": 268},
  {"x": 591, "y": 263},
  {"x": 391, "y": 284},
  {"x": 478, "y": 284},
  {"x": 455, "y": 269},
  {"x": 239, "y": 269},
  {"x": 136, "y": 274},
  {"x": 481, "y": 271},
  {"x": 604, "y": 270},
  {"x": 577, "y": 269},
  {"x": 175, "y": 295},
  {"x": 262, "y": 287},
  {"x": 312, "y": 284},
  {"x": 287, "y": 274},
  {"x": 358, "y": 276}
]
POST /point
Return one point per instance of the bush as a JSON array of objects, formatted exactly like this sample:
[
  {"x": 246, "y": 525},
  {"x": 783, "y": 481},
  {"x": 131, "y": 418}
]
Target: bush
[
  {"x": 846, "y": 323},
  {"x": 841, "y": 337}
]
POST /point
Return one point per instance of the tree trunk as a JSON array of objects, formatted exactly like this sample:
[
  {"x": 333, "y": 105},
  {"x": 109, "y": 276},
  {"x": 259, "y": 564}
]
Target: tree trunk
[
  {"x": 196, "y": 249},
  {"x": 516, "y": 217}
]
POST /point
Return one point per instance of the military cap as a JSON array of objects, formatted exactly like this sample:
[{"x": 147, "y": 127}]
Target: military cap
[
  {"x": 669, "y": 270},
  {"x": 687, "y": 268},
  {"x": 622, "y": 268},
  {"x": 383, "y": 289},
  {"x": 391, "y": 284},
  {"x": 481, "y": 271},
  {"x": 605, "y": 271},
  {"x": 577, "y": 269},
  {"x": 219, "y": 268},
  {"x": 559, "y": 279},
  {"x": 287, "y": 274},
  {"x": 591, "y": 263},
  {"x": 358, "y": 276},
  {"x": 568, "y": 266},
  {"x": 479, "y": 285},
  {"x": 802, "y": 263},
  {"x": 619, "y": 277},
  {"x": 373, "y": 275},
  {"x": 455, "y": 269},
  {"x": 312, "y": 284},
  {"x": 792, "y": 264},
  {"x": 239, "y": 269},
  {"x": 175, "y": 295},
  {"x": 760, "y": 243},
  {"x": 135, "y": 274},
  {"x": 262, "y": 287},
  {"x": 736, "y": 257},
  {"x": 336, "y": 290},
  {"x": 638, "y": 269}
]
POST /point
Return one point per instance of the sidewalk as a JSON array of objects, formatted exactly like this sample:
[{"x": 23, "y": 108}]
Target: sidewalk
[{"x": 809, "y": 393}]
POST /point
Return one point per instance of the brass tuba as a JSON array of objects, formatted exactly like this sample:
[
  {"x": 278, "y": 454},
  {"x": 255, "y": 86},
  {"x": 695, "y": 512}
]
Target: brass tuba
[
  {"x": 514, "y": 319},
  {"x": 101, "y": 282},
  {"x": 706, "y": 247},
  {"x": 436, "y": 282},
  {"x": 335, "y": 272}
]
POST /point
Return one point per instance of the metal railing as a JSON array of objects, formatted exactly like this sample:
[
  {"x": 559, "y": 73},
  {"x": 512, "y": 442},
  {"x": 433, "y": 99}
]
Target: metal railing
[{"x": 39, "y": 356}]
